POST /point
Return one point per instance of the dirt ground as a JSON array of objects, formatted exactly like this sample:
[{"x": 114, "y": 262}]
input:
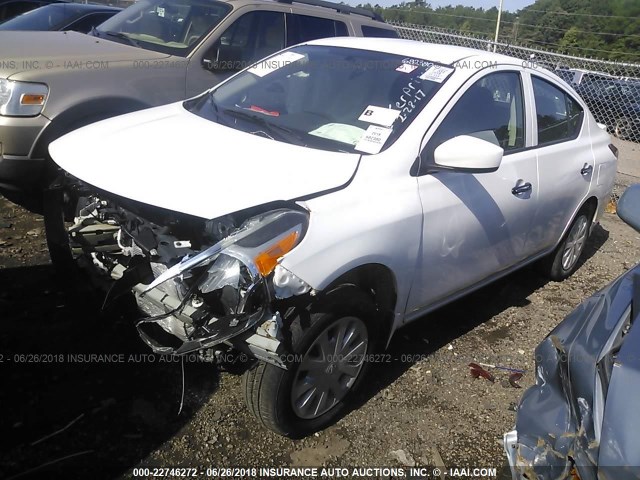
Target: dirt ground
[{"x": 66, "y": 411}]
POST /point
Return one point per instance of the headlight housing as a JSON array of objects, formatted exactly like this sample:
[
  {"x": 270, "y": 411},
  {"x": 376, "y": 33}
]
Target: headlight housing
[
  {"x": 22, "y": 99},
  {"x": 222, "y": 291},
  {"x": 257, "y": 244}
]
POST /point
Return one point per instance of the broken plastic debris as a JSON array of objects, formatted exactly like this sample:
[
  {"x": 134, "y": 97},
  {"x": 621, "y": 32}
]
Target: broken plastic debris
[
  {"x": 477, "y": 371},
  {"x": 514, "y": 378},
  {"x": 500, "y": 367},
  {"x": 403, "y": 457}
]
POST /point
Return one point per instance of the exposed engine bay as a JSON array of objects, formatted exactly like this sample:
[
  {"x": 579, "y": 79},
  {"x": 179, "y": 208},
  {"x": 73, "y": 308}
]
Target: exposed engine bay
[{"x": 199, "y": 283}]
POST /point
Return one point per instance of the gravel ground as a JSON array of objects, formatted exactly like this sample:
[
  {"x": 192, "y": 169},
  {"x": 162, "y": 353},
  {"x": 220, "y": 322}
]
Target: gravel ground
[{"x": 120, "y": 409}]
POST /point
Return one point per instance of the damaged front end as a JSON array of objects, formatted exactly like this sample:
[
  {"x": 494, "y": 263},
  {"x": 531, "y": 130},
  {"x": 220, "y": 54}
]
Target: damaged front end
[
  {"x": 199, "y": 283},
  {"x": 579, "y": 421}
]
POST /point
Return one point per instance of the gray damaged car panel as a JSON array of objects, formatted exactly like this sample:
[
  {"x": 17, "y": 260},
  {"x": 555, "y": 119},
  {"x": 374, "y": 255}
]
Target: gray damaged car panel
[
  {"x": 579, "y": 418},
  {"x": 571, "y": 417},
  {"x": 621, "y": 424}
]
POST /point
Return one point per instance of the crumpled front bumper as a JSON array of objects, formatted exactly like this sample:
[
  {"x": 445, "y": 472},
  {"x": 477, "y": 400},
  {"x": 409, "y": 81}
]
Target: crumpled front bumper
[
  {"x": 193, "y": 294},
  {"x": 166, "y": 333},
  {"x": 173, "y": 325}
]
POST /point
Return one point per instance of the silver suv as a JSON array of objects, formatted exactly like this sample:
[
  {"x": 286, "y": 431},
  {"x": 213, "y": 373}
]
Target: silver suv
[{"x": 152, "y": 53}]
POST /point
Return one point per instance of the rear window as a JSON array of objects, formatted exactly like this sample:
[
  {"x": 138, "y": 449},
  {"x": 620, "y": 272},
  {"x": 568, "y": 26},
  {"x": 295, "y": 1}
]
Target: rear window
[
  {"x": 559, "y": 116},
  {"x": 304, "y": 28},
  {"x": 369, "y": 31}
]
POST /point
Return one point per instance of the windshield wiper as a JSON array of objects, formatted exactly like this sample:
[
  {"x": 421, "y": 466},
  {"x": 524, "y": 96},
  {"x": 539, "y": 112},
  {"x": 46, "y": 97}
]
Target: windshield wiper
[
  {"x": 283, "y": 132},
  {"x": 122, "y": 36}
]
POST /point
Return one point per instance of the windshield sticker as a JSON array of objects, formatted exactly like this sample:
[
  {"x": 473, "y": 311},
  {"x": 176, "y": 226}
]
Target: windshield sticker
[
  {"x": 272, "y": 64},
  {"x": 411, "y": 96},
  {"x": 418, "y": 62},
  {"x": 160, "y": 11},
  {"x": 373, "y": 139},
  {"x": 379, "y": 115},
  {"x": 406, "y": 68},
  {"x": 436, "y": 73},
  {"x": 340, "y": 132}
]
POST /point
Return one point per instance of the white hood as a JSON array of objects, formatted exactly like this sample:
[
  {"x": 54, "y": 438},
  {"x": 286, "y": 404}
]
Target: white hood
[{"x": 171, "y": 158}]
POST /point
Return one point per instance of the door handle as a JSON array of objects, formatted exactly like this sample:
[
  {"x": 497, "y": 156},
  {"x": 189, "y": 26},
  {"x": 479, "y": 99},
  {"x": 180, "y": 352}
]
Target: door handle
[
  {"x": 520, "y": 189},
  {"x": 586, "y": 170}
]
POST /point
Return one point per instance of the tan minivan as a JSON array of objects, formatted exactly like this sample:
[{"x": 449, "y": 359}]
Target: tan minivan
[{"x": 152, "y": 53}]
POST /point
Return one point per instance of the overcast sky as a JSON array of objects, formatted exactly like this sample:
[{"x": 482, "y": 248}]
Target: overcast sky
[{"x": 511, "y": 5}]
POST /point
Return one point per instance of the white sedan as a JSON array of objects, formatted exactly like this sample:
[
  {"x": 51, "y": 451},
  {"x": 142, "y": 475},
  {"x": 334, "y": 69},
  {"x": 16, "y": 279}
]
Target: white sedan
[{"x": 303, "y": 210}]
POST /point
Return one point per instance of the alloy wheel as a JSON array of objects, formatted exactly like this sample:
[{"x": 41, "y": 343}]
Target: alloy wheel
[
  {"x": 575, "y": 242},
  {"x": 329, "y": 368}
]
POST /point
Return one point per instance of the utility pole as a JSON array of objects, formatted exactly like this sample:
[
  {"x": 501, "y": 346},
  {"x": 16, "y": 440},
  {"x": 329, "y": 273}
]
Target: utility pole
[
  {"x": 515, "y": 30},
  {"x": 497, "y": 27}
]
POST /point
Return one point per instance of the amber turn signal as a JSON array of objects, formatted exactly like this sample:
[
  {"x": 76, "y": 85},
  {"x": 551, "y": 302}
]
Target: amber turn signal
[
  {"x": 32, "y": 99},
  {"x": 267, "y": 260}
]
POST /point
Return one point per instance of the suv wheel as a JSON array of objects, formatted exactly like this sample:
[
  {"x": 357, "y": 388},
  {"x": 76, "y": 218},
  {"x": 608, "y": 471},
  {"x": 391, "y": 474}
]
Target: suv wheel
[
  {"x": 56, "y": 232},
  {"x": 329, "y": 349}
]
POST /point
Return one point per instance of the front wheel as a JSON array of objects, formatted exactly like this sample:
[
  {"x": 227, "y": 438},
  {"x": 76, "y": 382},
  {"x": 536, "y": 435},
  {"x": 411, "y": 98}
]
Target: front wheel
[
  {"x": 56, "y": 232},
  {"x": 564, "y": 260},
  {"x": 329, "y": 351}
]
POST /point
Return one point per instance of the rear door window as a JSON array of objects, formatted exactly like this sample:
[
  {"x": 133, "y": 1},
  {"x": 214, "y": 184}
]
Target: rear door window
[
  {"x": 304, "y": 28},
  {"x": 558, "y": 115},
  {"x": 253, "y": 36}
]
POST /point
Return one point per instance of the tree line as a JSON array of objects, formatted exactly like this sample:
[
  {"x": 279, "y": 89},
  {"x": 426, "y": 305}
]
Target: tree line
[{"x": 587, "y": 28}]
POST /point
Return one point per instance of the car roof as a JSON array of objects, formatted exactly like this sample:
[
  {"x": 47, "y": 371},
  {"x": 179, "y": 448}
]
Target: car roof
[
  {"x": 82, "y": 7},
  {"x": 445, "y": 54},
  {"x": 43, "y": 2},
  {"x": 323, "y": 8}
]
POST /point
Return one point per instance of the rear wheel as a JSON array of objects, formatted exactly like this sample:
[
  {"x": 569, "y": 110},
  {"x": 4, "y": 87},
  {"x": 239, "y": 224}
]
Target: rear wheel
[
  {"x": 564, "y": 259},
  {"x": 329, "y": 348}
]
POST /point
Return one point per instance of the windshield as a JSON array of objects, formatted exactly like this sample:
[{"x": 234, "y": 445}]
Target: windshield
[
  {"x": 174, "y": 27},
  {"x": 43, "y": 18},
  {"x": 330, "y": 98}
]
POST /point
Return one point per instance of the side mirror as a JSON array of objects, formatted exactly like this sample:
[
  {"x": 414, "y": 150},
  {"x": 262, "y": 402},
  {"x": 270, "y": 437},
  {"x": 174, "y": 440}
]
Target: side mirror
[
  {"x": 479, "y": 153},
  {"x": 223, "y": 57},
  {"x": 629, "y": 207}
]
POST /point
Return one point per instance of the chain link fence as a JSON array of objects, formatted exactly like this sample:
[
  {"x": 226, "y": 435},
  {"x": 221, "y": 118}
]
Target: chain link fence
[{"x": 611, "y": 90}]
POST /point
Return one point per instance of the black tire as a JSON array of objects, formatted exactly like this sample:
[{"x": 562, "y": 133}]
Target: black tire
[
  {"x": 54, "y": 201},
  {"x": 561, "y": 264},
  {"x": 268, "y": 389}
]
